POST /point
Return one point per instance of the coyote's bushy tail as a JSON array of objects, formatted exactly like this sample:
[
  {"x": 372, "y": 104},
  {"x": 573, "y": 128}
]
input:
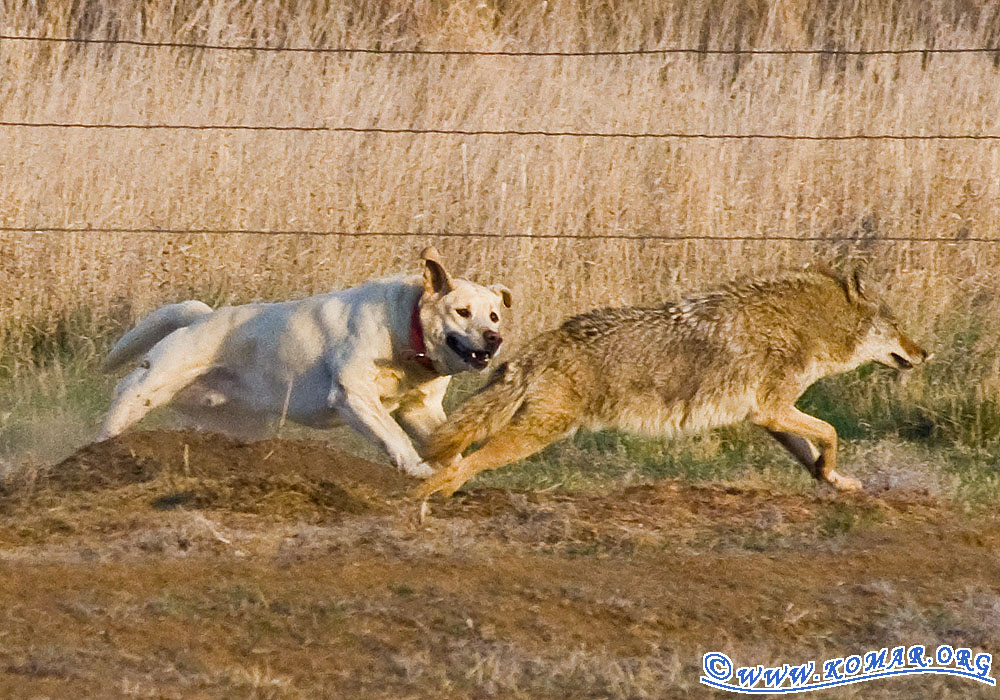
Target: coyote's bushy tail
[
  {"x": 152, "y": 329},
  {"x": 484, "y": 414}
]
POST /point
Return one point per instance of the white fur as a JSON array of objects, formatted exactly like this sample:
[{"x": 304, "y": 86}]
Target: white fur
[{"x": 331, "y": 359}]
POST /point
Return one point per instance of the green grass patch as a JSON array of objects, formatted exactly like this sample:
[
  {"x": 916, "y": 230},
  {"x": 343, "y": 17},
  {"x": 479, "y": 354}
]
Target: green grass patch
[{"x": 607, "y": 458}]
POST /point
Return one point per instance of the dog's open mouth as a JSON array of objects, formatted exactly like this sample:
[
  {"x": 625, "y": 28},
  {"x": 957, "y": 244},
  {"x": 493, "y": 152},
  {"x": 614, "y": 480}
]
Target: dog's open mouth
[
  {"x": 477, "y": 359},
  {"x": 901, "y": 362}
]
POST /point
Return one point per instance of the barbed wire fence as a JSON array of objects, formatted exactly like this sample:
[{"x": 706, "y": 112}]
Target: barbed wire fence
[
  {"x": 763, "y": 238},
  {"x": 505, "y": 132},
  {"x": 531, "y": 133},
  {"x": 906, "y": 51}
]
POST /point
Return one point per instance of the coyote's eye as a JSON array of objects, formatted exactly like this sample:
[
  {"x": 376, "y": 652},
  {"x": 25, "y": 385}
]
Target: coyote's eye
[
  {"x": 494, "y": 317},
  {"x": 464, "y": 313}
]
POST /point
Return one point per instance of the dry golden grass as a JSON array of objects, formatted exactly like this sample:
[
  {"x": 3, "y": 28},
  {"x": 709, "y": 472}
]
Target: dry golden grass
[
  {"x": 71, "y": 292},
  {"x": 251, "y": 581}
]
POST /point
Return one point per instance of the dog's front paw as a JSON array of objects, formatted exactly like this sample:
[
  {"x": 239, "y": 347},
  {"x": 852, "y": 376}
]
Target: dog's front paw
[{"x": 419, "y": 470}]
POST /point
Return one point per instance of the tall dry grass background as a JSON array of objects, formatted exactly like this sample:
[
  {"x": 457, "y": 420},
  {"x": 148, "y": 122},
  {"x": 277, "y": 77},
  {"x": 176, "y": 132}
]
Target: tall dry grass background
[{"x": 63, "y": 297}]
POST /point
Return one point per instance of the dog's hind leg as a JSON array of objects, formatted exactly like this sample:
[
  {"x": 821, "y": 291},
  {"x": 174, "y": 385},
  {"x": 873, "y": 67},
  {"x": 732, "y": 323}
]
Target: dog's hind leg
[{"x": 170, "y": 367}]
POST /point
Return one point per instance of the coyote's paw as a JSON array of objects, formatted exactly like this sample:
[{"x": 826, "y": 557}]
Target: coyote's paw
[
  {"x": 445, "y": 482},
  {"x": 843, "y": 482}
]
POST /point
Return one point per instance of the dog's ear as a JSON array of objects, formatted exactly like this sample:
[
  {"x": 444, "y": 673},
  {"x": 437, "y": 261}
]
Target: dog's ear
[
  {"x": 854, "y": 283},
  {"x": 436, "y": 278},
  {"x": 504, "y": 293}
]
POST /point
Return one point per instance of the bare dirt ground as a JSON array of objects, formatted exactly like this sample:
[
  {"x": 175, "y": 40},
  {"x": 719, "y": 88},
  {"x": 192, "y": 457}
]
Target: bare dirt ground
[{"x": 181, "y": 565}]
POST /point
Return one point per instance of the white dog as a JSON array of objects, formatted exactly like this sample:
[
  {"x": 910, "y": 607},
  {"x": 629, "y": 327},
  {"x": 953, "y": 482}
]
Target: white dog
[{"x": 377, "y": 357}]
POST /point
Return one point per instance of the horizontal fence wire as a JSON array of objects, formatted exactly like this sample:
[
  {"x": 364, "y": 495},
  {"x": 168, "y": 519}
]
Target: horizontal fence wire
[
  {"x": 668, "y": 238},
  {"x": 909, "y": 51},
  {"x": 318, "y": 128},
  {"x": 507, "y": 132}
]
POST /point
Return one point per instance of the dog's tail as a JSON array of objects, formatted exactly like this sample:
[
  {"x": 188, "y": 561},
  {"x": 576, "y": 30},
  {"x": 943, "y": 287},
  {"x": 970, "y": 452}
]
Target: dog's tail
[
  {"x": 152, "y": 329},
  {"x": 486, "y": 413}
]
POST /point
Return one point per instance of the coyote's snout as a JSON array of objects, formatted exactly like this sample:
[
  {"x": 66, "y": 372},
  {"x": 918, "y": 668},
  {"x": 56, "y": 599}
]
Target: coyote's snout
[{"x": 743, "y": 351}]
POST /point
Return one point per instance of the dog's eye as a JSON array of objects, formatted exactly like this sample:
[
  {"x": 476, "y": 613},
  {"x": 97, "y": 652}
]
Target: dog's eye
[
  {"x": 464, "y": 313},
  {"x": 494, "y": 317}
]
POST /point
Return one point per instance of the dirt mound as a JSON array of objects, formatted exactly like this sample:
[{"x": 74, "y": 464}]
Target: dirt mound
[
  {"x": 133, "y": 481},
  {"x": 203, "y": 470}
]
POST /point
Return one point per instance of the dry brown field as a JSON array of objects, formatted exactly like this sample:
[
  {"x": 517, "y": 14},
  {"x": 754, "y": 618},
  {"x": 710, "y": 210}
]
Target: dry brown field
[{"x": 175, "y": 565}]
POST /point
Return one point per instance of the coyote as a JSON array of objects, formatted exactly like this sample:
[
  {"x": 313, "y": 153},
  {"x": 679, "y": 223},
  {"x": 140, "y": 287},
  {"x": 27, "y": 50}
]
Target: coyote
[{"x": 745, "y": 350}]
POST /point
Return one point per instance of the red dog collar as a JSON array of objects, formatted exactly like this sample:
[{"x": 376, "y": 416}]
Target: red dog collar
[{"x": 418, "y": 349}]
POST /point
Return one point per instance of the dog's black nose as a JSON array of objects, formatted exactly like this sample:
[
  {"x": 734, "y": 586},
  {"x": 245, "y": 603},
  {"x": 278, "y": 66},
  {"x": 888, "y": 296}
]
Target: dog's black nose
[{"x": 492, "y": 339}]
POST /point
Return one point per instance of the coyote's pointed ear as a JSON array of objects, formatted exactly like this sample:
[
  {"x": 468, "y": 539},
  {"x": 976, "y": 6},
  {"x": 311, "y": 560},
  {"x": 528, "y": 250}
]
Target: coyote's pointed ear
[
  {"x": 436, "y": 278},
  {"x": 504, "y": 293},
  {"x": 855, "y": 282}
]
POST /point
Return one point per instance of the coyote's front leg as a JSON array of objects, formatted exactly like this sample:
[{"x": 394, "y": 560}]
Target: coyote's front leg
[
  {"x": 514, "y": 442},
  {"x": 797, "y": 432}
]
